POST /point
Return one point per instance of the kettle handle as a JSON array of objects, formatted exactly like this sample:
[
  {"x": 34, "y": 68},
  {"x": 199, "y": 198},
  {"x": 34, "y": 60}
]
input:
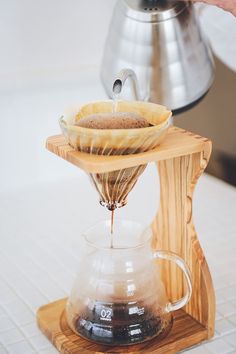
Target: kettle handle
[{"x": 173, "y": 306}]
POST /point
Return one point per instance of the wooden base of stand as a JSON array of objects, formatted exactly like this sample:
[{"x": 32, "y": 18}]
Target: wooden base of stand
[{"x": 52, "y": 321}]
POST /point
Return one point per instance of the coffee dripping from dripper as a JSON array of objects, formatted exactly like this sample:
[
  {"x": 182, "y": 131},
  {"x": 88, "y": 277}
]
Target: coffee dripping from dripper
[{"x": 118, "y": 297}]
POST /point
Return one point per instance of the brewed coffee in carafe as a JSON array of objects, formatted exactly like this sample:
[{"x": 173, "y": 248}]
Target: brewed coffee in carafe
[
  {"x": 118, "y": 297},
  {"x": 128, "y": 324}
]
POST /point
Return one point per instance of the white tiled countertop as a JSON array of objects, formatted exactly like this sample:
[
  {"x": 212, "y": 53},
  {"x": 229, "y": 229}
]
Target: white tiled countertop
[{"x": 45, "y": 203}]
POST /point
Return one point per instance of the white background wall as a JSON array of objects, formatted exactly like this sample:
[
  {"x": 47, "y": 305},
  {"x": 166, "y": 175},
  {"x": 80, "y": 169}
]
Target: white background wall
[
  {"x": 41, "y": 41},
  {"x": 49, "y": 40},
  {"x": 50, "y": 53}
]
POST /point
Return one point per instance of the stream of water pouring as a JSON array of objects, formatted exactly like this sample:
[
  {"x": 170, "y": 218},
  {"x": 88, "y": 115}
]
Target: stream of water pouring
[
  {"x": 117, "y": 87},
  {"x": 115, "y": 103}
]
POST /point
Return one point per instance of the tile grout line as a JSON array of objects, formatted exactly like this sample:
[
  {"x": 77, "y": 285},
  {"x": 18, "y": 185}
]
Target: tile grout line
[
  {"x": 40, "y": 268},
  {"x": 27, "y": 278},
  {"x": 52, "y": 255}
]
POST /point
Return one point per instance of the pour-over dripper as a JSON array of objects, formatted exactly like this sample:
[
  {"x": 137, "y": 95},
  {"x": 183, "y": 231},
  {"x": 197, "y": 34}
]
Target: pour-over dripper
[{"x": 114, "y": 187}]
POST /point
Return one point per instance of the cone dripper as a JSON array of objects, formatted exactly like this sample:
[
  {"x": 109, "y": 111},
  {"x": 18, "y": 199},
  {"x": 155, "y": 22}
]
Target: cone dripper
[{"x": 113, "y": 187}]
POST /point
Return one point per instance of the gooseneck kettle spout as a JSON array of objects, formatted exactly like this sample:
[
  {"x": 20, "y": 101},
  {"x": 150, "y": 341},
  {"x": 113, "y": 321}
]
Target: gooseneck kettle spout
[{"x": 120, "y": 81}]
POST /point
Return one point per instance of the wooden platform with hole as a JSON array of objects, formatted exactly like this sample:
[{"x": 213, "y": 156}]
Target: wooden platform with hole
[
  {"x": 52, "y": 322},
  {"x": 180, "y": 159}
]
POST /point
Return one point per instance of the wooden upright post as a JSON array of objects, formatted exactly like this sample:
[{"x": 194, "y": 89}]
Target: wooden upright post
[{"x": 174, "y": 231}]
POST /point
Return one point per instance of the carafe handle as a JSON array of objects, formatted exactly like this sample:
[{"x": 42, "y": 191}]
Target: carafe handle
[{"x": 172, "y": 306}]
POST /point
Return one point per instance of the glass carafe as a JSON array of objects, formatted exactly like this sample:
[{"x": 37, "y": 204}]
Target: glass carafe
[{"x": 118, "y": 297}]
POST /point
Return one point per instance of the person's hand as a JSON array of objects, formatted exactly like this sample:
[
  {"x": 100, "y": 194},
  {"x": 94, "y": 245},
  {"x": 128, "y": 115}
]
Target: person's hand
[{"x": 228, "y": 5}]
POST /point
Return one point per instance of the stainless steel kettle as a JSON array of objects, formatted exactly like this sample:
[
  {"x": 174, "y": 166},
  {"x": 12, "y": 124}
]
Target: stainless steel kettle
[{"x": 161, "y": 41}]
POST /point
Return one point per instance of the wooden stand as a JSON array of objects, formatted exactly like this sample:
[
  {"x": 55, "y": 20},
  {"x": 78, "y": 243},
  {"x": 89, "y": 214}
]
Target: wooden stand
[{"x": 181, "y": 159}]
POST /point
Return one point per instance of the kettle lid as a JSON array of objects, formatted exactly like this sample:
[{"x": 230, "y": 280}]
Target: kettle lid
[{"x": 154, "y": 10}]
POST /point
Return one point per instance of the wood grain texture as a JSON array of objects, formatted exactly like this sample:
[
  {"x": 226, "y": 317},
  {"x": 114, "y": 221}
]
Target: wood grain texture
[
  {"x": 178, "y": 142},
  {"x": 52, "y": 321},
  {"x": 174, "y": 231}
]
